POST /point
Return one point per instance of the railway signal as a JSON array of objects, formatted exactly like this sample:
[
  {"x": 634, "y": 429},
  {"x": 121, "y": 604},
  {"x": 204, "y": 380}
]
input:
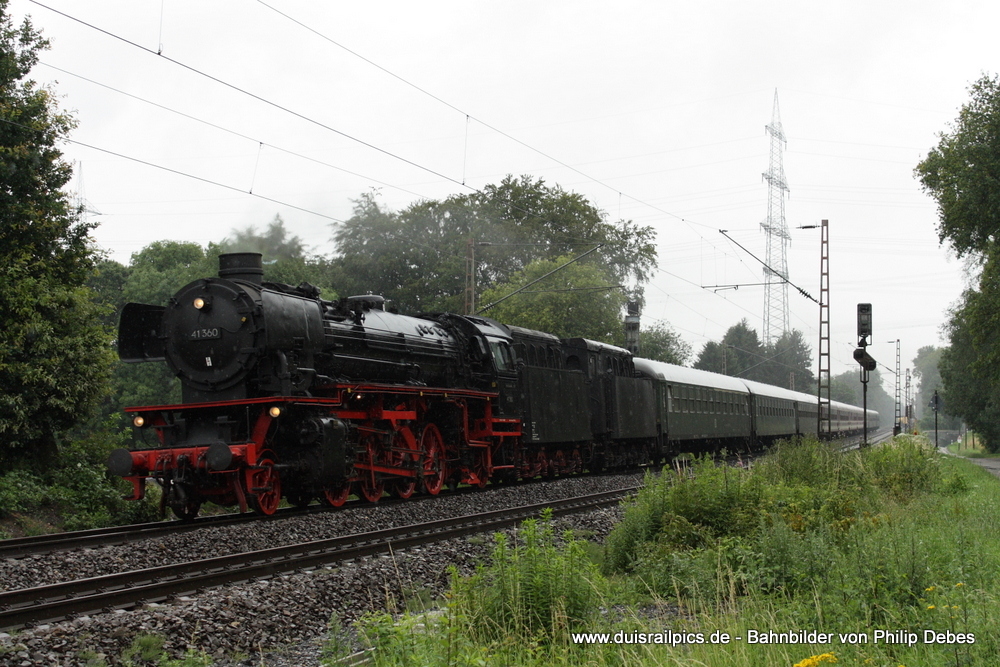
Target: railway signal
[
  {"x": 866, "y": 360},
  {"x": 864, "y": 323},
  {"x": 861, "y": 355}
]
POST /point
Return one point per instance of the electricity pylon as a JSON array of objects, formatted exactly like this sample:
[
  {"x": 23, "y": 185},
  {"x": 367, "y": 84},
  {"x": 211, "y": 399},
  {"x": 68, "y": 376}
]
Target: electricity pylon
[{"x": 776, "y": 320}]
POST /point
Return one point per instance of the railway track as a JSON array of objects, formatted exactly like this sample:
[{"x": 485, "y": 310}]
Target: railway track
[
  {"x": 55, "y": 602},
  {"x": 19, "y": 547}
]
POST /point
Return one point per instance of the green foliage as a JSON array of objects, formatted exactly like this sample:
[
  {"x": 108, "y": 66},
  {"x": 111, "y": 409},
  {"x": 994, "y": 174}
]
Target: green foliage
[
  {"x": 20, "y": 491},
  {"x": 969, "y": 367},
  {"x": 802, "y": 512},
  {"x": 926, "y": 371},
  {"x": 81, "y": 494},
  {"x": 525, "y": 601},
  {"x": 661, "y": 343},
  {"x": 573, "y": 302},
  {"x": 742, "y": 354},
  {"x": 685, "y": 508},
  {"x": 417, "y": 257},
  {"x": 532, "y": 589},
  {"x": 54, "y": 356},
  {"x": 148, "y": 649},
  {"x": 846, "y": 388},
  {"x": 962, "y": 174},
  {"x": 963, "y": 171},
  {"x": 836, "y": 548}
]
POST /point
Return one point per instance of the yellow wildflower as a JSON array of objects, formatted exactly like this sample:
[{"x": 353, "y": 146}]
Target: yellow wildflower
[
  {"x": 959, "y": 585},
  {"x": 930, "y": 606},
  {"x": 814, "y": 660},
  {"x": 929, "y": 589}
]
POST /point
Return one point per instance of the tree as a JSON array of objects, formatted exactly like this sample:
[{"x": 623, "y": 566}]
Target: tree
[
  {"x": 847, "y": 388},
  {"x": 54, "y": 353},
  {"x": 574, "y": 302},
  {"x": 963, "y": 172},
  {"x": 739, "y": 352},
  {"x": 927, "y": 372},
  {"x": 968, "y": 366},
  {"x": 789, "y": 362},
  {"x": 661, "y": 343},
  {"x": 417, "y": 257}
]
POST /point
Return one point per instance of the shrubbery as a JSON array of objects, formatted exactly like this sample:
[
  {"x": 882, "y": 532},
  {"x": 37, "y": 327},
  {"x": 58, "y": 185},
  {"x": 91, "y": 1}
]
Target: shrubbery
[
  {"x": 893, "y": 537},
  {"x": 77, "y": 495}
]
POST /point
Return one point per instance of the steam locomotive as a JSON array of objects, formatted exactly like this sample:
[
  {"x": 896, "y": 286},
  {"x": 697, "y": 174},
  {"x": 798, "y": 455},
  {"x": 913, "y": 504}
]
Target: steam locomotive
[{"x": 285, "y": 394}]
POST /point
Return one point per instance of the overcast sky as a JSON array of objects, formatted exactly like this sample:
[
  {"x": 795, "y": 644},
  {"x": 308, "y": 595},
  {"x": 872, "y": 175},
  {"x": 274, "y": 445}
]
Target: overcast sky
[{"x": 656, "y": 111}]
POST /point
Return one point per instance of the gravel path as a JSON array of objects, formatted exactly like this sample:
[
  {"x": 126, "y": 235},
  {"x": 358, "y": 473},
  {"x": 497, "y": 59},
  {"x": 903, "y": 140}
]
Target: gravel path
[{"x": 278, "y": 622}]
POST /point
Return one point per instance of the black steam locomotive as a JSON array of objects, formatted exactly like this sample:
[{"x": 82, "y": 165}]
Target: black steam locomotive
[{"x": 289, "y": 395}]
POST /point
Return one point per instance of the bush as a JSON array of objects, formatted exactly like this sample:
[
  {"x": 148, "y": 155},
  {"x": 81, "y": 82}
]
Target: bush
[
  {"x": 20, "y": 491},
  {"x": 683, "y": 510},
  {"x": 534, "y": 588}
]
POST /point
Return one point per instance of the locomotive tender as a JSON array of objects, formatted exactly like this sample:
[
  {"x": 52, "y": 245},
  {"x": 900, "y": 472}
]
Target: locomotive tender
[{"x": 288, "y": 395}]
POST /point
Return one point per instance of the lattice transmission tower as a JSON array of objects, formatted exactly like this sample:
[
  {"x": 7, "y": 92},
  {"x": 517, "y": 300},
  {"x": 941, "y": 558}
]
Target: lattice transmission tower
[{"x": 776, "y": 270}]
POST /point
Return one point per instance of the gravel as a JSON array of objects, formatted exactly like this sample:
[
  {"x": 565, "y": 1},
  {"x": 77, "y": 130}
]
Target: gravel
[{"x": 281, "y": 621}]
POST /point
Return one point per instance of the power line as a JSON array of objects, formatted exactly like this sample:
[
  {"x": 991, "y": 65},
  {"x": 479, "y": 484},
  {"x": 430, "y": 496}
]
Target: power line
[
  {"x": 231, "y": 131},
  {"x": 485, "y": 124},
  {"x": 181, "y": 173},
  {"x": 259, "y": 98}
]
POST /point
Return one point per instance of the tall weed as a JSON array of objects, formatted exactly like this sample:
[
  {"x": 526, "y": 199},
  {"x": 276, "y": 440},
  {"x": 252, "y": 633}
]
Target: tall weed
[{"x": 533, "y": 587}]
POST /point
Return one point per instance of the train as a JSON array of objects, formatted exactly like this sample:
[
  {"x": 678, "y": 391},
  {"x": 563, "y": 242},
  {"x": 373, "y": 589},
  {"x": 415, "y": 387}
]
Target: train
[{"x": 286, "y": 395}]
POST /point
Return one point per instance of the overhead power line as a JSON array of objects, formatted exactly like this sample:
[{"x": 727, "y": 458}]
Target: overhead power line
[
  {"x": 231, "y": 131},
  {"x": 255, "y": 96},
  {"x": 182, "y": 173},
  {"x": 482, "y": 122}
]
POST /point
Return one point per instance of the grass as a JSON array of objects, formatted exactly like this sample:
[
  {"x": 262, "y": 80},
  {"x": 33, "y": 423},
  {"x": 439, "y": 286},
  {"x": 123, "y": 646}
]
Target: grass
[
  {"x": 971, "y": 447},
  {"x": 895, "y": 539}
]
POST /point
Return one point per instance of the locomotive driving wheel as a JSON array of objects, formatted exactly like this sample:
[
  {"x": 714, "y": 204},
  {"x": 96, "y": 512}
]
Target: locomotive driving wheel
[
  {"x": 371, "y": 485},
  {"x": 435, "y": 467},
  {"x": 403, "y": 454},
  {"x": 336, "y": 496},
  {"x": 557, "y": 466},
  {"x": 264, "y": 485}
]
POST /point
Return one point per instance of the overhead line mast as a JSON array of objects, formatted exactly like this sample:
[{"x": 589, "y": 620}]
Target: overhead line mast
[{"x": 776, "y": 320}]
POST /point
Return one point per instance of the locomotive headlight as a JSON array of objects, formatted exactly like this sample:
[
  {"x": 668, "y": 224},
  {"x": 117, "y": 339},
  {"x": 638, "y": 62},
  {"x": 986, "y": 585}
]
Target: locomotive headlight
[
  {"x": 138, "y": 421},
  {"x": 199, "y": 303},
  {"x": 275, "y": 412}
]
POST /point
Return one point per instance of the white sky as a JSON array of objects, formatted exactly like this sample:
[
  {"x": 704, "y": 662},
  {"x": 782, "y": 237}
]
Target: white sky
[{"x": 659, "y": 108}]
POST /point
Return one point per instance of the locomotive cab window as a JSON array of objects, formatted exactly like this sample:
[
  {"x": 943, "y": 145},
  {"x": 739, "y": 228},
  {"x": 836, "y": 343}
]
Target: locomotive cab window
[{"x": 501, "y": 355}]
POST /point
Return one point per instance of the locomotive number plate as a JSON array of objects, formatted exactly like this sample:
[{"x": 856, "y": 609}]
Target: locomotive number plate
[{"x": 206, "y": 334}]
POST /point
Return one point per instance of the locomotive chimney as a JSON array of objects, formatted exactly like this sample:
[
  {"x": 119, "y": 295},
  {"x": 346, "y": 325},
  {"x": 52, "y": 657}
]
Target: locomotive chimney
[{"x": 245, "y": 266}]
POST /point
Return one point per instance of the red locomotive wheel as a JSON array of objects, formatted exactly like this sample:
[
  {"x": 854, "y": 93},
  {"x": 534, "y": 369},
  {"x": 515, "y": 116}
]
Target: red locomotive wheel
[
  {"x": 435, "y": 465},
  {"x": 542, "y": 464},
  {"x": 265, "y": 487},
  {"x": 336, "y": 496},
  {"x": 557, "y": 466},
  {"x": 371, "y": 486},
  {"x": 402, "y": 456}
]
